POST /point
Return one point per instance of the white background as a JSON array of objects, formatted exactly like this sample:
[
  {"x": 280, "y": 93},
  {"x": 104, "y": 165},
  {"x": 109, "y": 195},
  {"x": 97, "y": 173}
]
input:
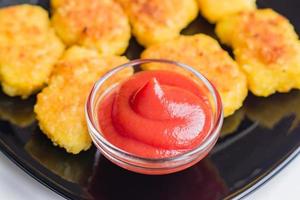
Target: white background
[{"x": 17, "y": 185}]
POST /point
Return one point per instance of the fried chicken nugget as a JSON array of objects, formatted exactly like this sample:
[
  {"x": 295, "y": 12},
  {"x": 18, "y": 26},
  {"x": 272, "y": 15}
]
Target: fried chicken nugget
[
  {"x": 60, "y": 106},
  {"x": 205, "y": 55},
  {"x": 214, "y": 10},
  {"x": 29, "y": 49},
  {"x": 266, "y": 47},
  {"x": 159, "y": 20},
  {"x": 96, "y": 24}
]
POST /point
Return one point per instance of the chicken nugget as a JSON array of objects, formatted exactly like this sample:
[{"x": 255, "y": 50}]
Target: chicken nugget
[
  {"x": 159, "y": 20},
  {"x": 205, "y": 55},
  {"x": 214, "y": 10},
  {"x": 29, "y": 49},
  {"x": 267, "y": 48},
  {"x": 57, "y": 3},
  {"x": 60, "y": 106},
  {"x": 95, "y": 24}
]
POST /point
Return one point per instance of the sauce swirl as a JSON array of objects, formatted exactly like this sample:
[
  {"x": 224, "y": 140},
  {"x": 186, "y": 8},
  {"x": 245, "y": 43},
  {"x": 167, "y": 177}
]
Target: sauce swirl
[{"x": 155, "y": 114}]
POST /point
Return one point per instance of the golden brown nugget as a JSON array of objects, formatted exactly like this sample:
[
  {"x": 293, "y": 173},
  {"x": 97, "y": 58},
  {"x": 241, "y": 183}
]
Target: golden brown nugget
[
  {"x": 96, "y": 24},
  {"x": 159, "y": 20},
  {"x": 266, "y": 47},
  {"x": 60, "y": 106},
  {"x": 29, "y": 49},
  {"x": 214, "y": 10},
  {"x": 205, "y": 55},
  {"x": 57, "y": 3}
]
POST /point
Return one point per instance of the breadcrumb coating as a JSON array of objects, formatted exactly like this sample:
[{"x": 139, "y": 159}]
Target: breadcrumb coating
[
  {"x": 267, "y": 48},
  {"x": 29, "y": 49},
  {"x": 60, "y": 106},
  {"x": 205, "y": 55},
  {"x": 157, "y": 21},
  {"x": 95, "y": 24},
  {"x": 215, "y": 10}
]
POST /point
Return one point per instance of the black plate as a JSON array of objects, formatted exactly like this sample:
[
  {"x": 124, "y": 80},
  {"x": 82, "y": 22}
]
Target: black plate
[{"x": 255, "y": 144}]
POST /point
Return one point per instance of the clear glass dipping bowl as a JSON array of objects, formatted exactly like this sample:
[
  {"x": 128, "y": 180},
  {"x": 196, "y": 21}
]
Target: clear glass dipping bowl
[{"x": 152, "y": 165}]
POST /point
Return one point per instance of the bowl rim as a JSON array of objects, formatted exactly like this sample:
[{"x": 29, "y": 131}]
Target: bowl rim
[{"x": 212, "y": 136}]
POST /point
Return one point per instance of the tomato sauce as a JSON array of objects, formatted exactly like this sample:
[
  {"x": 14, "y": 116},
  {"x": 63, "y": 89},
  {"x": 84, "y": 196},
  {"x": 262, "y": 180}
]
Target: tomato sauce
[{"x": 155, "y": 114}]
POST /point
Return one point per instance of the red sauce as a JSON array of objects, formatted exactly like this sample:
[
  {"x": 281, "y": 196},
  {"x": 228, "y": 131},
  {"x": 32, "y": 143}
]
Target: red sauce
[{"x": 155, "y": 114}]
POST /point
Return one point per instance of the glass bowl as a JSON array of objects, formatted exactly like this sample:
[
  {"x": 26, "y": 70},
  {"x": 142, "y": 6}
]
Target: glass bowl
[{"x": 137, "y": 163}]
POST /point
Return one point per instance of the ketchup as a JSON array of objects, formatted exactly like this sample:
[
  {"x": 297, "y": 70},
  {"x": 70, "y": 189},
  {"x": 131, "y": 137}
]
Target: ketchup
[{"x": 155, "y": 114}]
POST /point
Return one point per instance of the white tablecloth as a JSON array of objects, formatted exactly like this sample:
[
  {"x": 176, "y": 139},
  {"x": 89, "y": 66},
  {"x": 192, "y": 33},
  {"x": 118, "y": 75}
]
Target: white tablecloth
[{"x": 17, "y": 185}]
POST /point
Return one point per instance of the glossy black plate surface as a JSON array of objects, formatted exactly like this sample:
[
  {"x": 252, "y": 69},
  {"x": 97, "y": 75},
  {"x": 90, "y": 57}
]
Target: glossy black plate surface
[{"x": 256, "y": 142}]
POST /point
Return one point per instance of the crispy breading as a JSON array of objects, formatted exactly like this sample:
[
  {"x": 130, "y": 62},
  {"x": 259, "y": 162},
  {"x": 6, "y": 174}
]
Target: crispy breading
[
  {"x": 60, "y": 106},
  {"x": 159, "y": 20},
  {"x": 96, "y": 24},
  {"x": 214, "y": 10},
  {"x": 29, "y": 49},
  {"x": 205, "y": 55},
  {"x": 267, "y": 48},
  {"x": 57, "y": 3}
]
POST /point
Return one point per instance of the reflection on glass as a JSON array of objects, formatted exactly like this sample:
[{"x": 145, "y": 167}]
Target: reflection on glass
[
  {"x": 269, "y": 111},
  {"x": 17, "y": 111},
  {"x": 232, "y": 122},
  {"x": 74, "y": 168},
  {"x": 201, "y": 181}
]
